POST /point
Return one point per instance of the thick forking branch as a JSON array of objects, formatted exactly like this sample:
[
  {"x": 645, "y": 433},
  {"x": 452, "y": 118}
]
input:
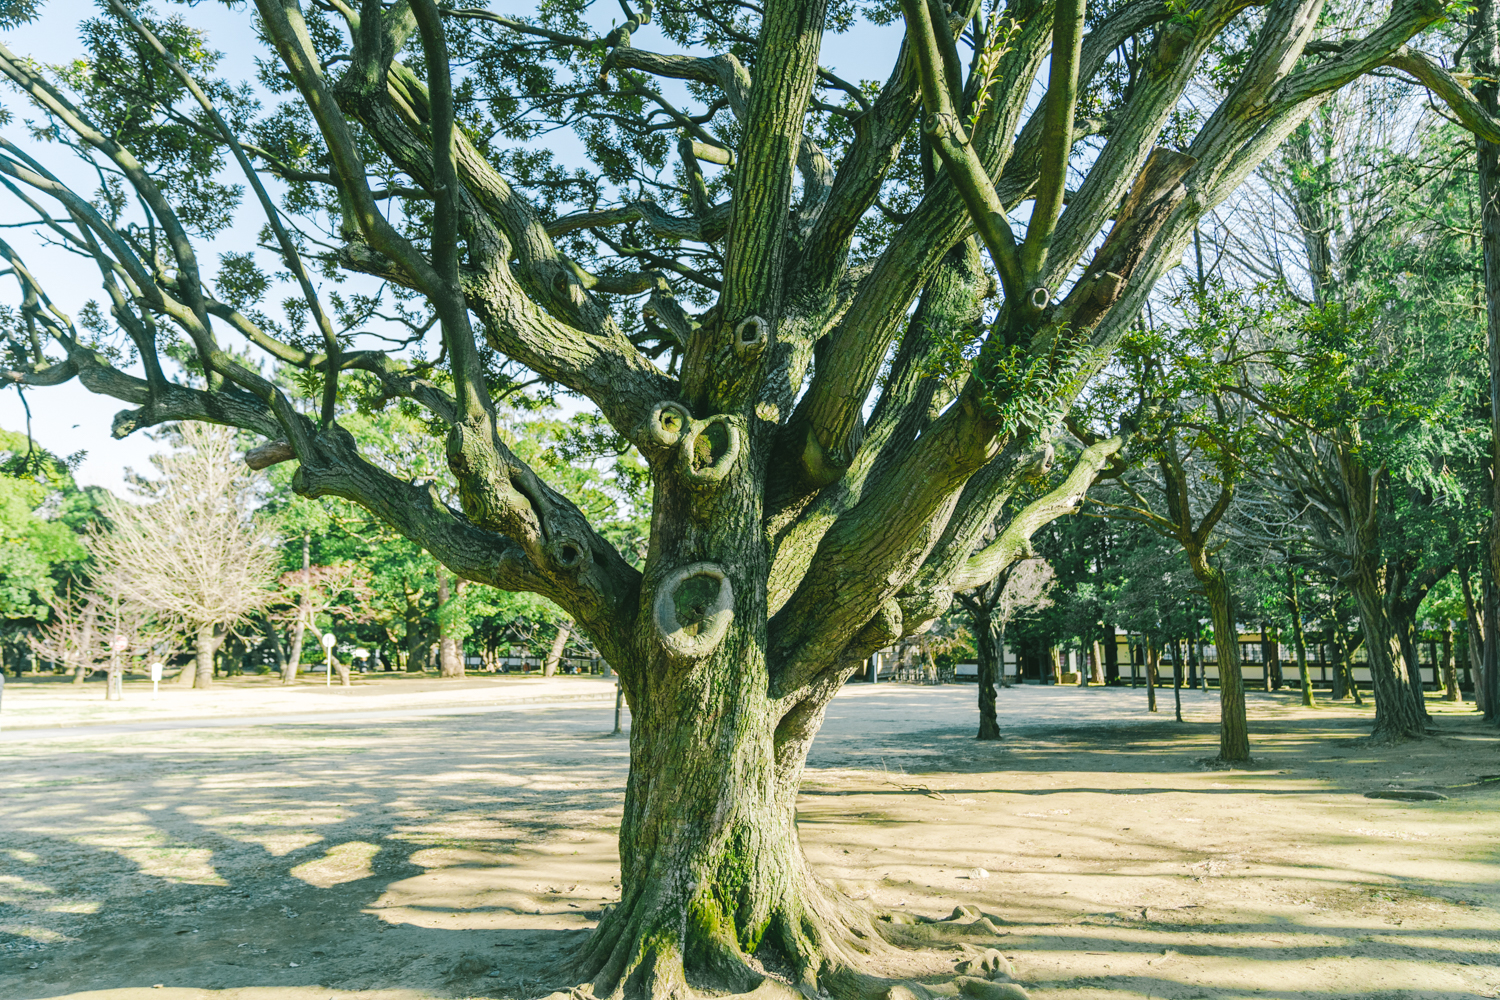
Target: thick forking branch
[
  {"x": 1057, "y": 133},
  {"x": 958, "y": 154},
  {"x": 1013, "y": 543}
]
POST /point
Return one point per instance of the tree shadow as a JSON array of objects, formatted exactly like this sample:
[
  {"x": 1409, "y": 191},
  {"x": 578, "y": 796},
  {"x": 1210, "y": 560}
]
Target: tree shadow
[{"x": 414, "y": 854}]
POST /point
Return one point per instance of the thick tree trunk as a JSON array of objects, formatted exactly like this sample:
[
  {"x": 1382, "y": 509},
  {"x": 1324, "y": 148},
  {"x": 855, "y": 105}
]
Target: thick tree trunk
[
  {"x": 1412, "y": 660},
  {"x": 712, "y": 869},
  {"x": 1397, "y": 715},
  {"x": 1096, "y": 662},
  {"x": 988, "y": 653}
]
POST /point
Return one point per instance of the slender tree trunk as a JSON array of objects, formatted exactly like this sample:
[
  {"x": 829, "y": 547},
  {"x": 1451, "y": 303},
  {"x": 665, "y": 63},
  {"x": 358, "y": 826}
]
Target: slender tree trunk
[
  {"x": 205, "y": 645},
  {"x": 1096, "y": 665},
  {"x": 1195, "y": 665},
  {"x": 1153, "y": 656},
  {"x": 988, "y": 653},
  {"x": 1054, "y": 663},
  {"x": 1267, "y": 658},
  {"x": 555, "y": 653},
  {"x": 1474, "y": 632},
  {"x": 293, "y": 661},
  {"x": 450, "y": 654},
  {"x": 1177, "y": 677},
  {"x": 1299, "y": 642},
  {"x": 1491, "y": 676}
]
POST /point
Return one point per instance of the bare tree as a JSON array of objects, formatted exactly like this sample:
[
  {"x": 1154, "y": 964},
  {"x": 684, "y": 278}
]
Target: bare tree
[
  {"x": 341, "y": 590},
  {"x": 192, "y": 552}
]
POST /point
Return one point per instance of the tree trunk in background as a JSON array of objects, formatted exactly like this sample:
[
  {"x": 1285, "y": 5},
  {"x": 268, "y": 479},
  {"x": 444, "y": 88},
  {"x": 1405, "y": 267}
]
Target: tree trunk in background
[
  {"x": 85, "y": 664},
  {"x": 1097, "y": 666},
  {"x": 988, "y": 652},
  {"x": 205, "y": 645},
  {"x": 1491, "y": 657},
  {"x": 1153, "y": 657},
  {"x": 1054, "y": 663},
  {"x": 304, "y": 618},
  {"x": 1299, "y": 641},
  {"x": 450, "y": 654},
  {"x": 1195, "y": 666},
  {"x": 1474, "y": 633},
  {"x": 1267, "y": 658},
  {"x": 1396, "y": 714},
  {"x": 1341, "y": 677},
  {"x": 555, "y": 653},
  {"x": 1177, "y": 677},
  {"x": 1234, "y": 731},
  {"x": 1450, "y": 671}
]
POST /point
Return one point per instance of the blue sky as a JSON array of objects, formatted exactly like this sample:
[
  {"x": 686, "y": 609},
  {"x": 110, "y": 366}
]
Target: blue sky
[{"x": 69, "y": 418}]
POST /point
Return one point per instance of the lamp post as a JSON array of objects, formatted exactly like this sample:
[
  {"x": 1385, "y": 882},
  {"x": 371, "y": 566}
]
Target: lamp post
[
  {"x": 328, "y": 644},
  {"x": 114, "y": 690}
]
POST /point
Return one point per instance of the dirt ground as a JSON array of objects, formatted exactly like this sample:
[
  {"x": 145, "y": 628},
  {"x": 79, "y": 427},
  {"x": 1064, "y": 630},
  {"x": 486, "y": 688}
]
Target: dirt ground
[{"x": 407, "y": 854}]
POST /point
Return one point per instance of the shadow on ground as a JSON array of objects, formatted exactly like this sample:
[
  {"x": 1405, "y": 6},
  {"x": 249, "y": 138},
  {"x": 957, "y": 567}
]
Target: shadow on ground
[{"x": 458, "y": 856}]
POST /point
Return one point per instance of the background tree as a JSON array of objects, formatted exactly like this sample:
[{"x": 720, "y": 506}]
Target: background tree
[
  {"x": 191, "y": 551},
  {"x": 991, "y": 606}
]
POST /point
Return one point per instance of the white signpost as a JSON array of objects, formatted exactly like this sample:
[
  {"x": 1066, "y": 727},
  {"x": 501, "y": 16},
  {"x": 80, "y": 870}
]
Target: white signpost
[
  {"x": 328, "y": 644},
  {"x": 155, "y": 678}
]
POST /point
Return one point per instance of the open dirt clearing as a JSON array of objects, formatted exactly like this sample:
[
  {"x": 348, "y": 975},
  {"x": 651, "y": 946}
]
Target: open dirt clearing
[{"x": 456, "y": 855}]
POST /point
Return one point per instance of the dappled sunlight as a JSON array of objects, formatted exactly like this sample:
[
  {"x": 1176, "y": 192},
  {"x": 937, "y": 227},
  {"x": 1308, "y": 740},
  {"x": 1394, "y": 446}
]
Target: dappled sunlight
[{"x": 351, "y": 857}]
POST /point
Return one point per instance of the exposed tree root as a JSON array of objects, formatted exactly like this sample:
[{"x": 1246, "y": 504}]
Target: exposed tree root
[{"x": 825, "y": 950}]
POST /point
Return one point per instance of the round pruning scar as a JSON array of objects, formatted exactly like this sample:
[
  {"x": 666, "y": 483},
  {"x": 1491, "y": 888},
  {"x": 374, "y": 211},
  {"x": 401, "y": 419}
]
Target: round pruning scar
[
  {"x": 693, "y": 608},
  {"x": 751, "y": 336},
  {"x": 709, "y": 448},
  {"x": 667, "y": 422}
]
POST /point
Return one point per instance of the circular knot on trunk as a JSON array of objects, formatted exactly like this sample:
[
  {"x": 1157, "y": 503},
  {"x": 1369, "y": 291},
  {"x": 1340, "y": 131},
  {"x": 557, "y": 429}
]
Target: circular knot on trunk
[
  {"x": 693, "y": 608},
  {"x": 751, "y": 337},
  {"x": 1039, "y": 297},
  {"x": 667, "y": 422},
  {"x": 709, "y": 448}
]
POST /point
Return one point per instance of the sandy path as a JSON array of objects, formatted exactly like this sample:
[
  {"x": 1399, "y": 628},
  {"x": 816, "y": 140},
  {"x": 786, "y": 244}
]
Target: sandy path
[
  {"x": 54, "y": 702},
  {"x": 454, "y": 855}
]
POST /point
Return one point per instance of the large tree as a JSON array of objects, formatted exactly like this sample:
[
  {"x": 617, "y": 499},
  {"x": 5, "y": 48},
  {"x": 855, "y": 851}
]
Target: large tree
[{"x": 790, "y": 313}]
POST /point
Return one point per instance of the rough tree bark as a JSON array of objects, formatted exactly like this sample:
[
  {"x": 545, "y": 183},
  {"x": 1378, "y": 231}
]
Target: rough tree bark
[{"x": 795, "y": 528}]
